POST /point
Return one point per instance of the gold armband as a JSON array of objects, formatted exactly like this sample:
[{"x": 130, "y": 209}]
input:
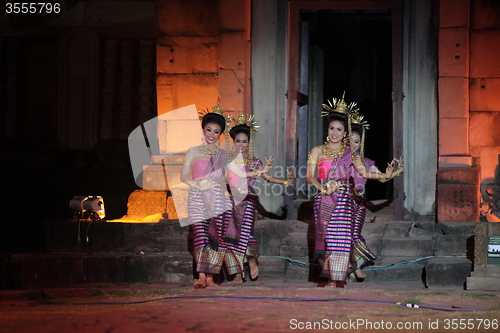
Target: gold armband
[
  {"x": 383, "y": 177},
  {"x": 310, "y": 160}
]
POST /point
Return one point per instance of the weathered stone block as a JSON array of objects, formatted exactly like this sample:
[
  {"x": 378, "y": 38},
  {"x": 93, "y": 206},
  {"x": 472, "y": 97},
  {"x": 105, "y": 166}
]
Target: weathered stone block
[
  {"x": 295, "y": 246},
  {"x": 106, "y": 268},
  {"x": 458, "y": 202},
  {"x": 165, "y": 236},
  {"x": 454, "y": 245},
  {"x": 447, "y": 273},
  {"x": 295, "y": 272},
  {"x": 187, "y": 54},
  {"x": 232, "y": 86},
  {"x": 269, "y": 233},
  {"x": 455, "y": 131},
  {"x": 396, "y": 229},
  {"x": 179, "y": 268},
  {"x": 490, "y": 160},
  {"x": 271, "y": 268},
  {"x": 484, "y": 129},
  {"x": 146, "y": 269},
  {"x": 484, "y": 15},
  {"x": 233, "y": 48},
  {"x": 485, "y": 51},
  {"x": 233, "y": 14},
  {"x": 62, "y": 236},
  {"x": 455, "y": 161},
  {"x": 481, "y": 244},
  {"x": 397, "y": 273},
  {"x": 483, "y": 94},
  {"x": 186, "y": 17},
  {"x": 453, "y": 97},
  {"x": 176, "y": 91},
  {"x": 421, "y": 229},
  {"x": 409, "y": 247},
  {"x": 483, "y": 283},
  {"x": 458, "y": 176},
  {"x": 293, "y": 227},
  {"x": 47, "y": 271},
  {"x": 456, "y": 228},
  {"x": 454, "y": 13},
  {"x": 453, "y": 51},
  {"x": 458, "y": 195}
]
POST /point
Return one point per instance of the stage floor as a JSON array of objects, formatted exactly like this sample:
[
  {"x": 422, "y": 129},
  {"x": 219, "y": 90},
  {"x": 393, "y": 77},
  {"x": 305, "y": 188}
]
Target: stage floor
[{"x": 254, "y": 306}]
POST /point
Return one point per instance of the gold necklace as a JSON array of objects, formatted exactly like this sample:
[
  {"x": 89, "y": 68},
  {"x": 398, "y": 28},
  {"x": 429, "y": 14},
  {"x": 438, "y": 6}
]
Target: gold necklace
[
  {"x": 241, "y": 161},
  {"x": 332, "y": 154},
  {"x": 205, "y": 149}
]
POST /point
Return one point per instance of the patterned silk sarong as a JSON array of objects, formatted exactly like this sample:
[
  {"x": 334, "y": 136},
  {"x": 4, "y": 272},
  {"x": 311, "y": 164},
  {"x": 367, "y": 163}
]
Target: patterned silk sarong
[
  {"x": 333, "y": 222},
  {"x": 361, "y": 254},
  {"x": 206, "y": 211},
  {"x": 239, "y": 238}
]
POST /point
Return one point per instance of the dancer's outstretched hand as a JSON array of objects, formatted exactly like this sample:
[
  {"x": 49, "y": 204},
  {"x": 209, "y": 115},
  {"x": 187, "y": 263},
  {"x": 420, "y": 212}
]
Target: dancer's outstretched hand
[{"x": 269, "y": 164}]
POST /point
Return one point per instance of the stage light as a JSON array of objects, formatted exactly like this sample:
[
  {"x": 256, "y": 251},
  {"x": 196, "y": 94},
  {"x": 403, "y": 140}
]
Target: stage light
[{"x": 88, "y": 207}]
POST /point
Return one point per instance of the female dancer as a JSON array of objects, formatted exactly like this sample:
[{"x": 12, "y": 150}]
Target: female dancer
[
  {"x": 208, "y": 201},
  {"x": 361, "y": 254},
  {"x": 242, "y": 246},
  {"x": 333, "y": 204}
]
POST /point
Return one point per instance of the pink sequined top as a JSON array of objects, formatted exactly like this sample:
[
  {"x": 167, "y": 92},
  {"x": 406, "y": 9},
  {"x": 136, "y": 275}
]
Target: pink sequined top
[
  {"x": 324, "y": 167},
  {"x": 233, "y": 180}
]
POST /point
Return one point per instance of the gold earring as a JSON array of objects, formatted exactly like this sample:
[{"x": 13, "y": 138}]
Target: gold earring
[{"x": 327, "y": 139}]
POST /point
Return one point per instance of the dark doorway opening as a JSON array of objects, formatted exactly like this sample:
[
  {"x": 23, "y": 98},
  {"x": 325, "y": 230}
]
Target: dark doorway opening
[{"x": 357, "y": 59}]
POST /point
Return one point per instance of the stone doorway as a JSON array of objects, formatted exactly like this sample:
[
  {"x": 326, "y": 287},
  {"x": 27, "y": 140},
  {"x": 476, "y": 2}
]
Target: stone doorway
[{"x": 356, "y": 47}]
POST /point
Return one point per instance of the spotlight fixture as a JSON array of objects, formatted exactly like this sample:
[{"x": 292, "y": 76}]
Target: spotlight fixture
[{"x": 87, "y": 207}]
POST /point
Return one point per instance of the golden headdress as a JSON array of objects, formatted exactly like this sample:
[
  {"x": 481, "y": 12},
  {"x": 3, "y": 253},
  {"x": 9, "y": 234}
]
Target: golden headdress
[
  {"x": 218, "y": 110},
  {"x": 339, "y": 106},
  {"x": 353, "y": 117},
  {"x": 357, "y": 119},
  {"x": 241, "y": 119}
]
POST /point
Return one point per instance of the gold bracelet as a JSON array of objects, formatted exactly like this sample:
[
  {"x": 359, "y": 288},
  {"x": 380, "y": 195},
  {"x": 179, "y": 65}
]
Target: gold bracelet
[
  {"x": 286, "y": 183},
  {"x": 397, "y": 173},
  {"x": 383, "y": 177},
  {"x": 256, "y": 173}
]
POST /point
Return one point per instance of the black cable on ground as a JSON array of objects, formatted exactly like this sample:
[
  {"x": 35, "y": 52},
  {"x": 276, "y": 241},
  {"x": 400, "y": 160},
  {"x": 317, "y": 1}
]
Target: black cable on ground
[{"x": 408, "y": 305}]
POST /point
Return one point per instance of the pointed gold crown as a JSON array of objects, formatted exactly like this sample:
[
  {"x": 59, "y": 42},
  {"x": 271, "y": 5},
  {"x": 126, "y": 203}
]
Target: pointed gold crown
[
  {"x": 218, "y": 110},
  {"x": 215, "y": 109},
  {"x": 243, "y": 120},
  {"x": 339, "y": 106},
  {"x": 357, "y": 118}
]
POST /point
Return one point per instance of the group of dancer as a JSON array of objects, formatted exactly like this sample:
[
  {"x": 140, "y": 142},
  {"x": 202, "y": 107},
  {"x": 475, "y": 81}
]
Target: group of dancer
[{"x": 222, "y": 201}]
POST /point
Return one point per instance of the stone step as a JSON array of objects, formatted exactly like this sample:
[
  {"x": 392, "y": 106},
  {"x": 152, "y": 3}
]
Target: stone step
[
  {"x": 447, "y": 273},
  {"x": 483, "y": 283},
  {"x": 395, "y": 269},
  {"x": 484, "y": 278},
  {"x": 32, "y": 271},
  {"x": 407, "y": 247}
]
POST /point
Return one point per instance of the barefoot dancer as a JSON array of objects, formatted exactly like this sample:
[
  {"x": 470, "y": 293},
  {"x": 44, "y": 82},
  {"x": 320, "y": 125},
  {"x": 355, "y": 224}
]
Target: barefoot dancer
[
  {"x": 333, "y": 205},
  {"x": 203, "y": 171},
  {"x": 239, "y": 236},
  {"x": 361, "y": 254}
]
